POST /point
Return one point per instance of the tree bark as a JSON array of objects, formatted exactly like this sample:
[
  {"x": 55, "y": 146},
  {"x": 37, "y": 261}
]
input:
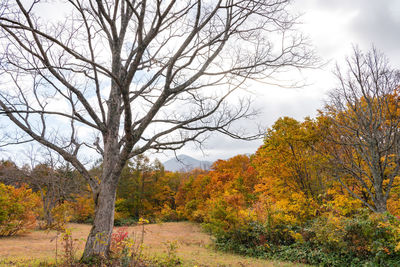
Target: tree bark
[
  {"x": 48, "y": 205},
  {"x": 48, "y": 218},
  {"x": 98, "y": 241},
  {"x": 381, "y": 207},
  {"x": 380, "y": 201}
]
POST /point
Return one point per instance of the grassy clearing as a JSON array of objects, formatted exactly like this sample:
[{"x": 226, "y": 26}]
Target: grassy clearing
[{"x": 193, "y": 246}]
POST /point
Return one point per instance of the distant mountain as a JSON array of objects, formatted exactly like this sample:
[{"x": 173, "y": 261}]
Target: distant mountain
[{"x": 185, "y": 163}]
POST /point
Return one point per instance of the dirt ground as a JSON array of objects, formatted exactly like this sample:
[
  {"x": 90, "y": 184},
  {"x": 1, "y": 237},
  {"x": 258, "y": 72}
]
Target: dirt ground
[{"x": 192, "y": 245}]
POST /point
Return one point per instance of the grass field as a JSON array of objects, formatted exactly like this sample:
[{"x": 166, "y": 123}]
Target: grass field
[{"x": 193, "y": 246}]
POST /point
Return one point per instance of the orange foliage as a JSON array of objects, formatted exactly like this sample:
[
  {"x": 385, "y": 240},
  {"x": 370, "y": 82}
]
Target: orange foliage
[
  {"x": 220, "y": 196},
  {"x": 82, "y": 208},
  {"x": 17, "y": 209}
]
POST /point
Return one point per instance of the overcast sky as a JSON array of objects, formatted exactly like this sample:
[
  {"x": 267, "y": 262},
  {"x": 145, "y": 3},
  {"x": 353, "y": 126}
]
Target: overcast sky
[{"x": 333, "y": 27}]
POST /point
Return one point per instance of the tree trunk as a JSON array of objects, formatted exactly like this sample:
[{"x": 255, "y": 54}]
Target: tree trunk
[
  {"x": 48, "y": 218},
  {"x": 98, "y": 241},
  {"x": 380, "y": 200},
  {"x": 48, "y": 206},
  {"x": 380, "y": 203},
  {"x": 381, "y": 208}
]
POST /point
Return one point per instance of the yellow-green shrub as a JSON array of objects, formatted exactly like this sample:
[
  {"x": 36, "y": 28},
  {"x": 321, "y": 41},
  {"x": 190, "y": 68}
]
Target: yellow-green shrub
[{"x": 62, "y": 214}]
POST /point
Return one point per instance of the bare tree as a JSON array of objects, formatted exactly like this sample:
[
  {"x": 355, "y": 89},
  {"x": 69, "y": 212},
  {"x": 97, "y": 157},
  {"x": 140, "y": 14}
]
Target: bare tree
[
  {"x": 364, "y": 112},
  {"x": 138, "y": 75},
  {"x": 9, "y": 173},
  {"x": 53, "y": 178}
]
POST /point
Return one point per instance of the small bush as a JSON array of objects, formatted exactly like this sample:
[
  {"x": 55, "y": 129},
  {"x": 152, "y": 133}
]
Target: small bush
[
  {"x": 167, "y": 214},
  {"x": 17, "y": 209},
  {"x": 69, "y": 248},
  {"x": 125, "y": 221},
  {"x": 170, "y": 258},
  {"x": 62, "y": 214},
  {"x": 119, "y": 242}
]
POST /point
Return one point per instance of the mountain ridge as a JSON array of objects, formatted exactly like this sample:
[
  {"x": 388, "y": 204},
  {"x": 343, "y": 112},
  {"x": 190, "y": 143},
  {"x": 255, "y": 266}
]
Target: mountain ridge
[{"x": 185, "y": 163}]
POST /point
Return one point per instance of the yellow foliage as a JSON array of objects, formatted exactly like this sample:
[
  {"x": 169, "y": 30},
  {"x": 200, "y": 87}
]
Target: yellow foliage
[
  {"x": 62, "y": 214},
  {"x": 340, "y": 202}
]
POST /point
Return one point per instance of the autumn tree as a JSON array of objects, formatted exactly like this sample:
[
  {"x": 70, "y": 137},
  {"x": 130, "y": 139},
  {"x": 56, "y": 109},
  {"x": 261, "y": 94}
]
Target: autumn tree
[
  {"x": 292, "y": 173},
  {"x": 220, "y": 194},
  {"x": 364, "y": 134},
  {"x": 289, "y": 161},
  {"x": 138, "y": 185},
  {"x": 191, "y": 193},
  {"x": 123, "y": 77}
]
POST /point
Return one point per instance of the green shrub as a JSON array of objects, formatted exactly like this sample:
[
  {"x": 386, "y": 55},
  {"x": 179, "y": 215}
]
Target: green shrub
[
  {"x": 125, "y": 221},
  {"x": 253, "y": 239},
  {"x": 361, "y": 240},
  {"x": 364, "y": 235},
  {"x": 249, "y": 240}
]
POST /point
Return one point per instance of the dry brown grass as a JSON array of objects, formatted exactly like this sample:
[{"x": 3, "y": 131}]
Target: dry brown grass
[{"x": 194, "y": 246}]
